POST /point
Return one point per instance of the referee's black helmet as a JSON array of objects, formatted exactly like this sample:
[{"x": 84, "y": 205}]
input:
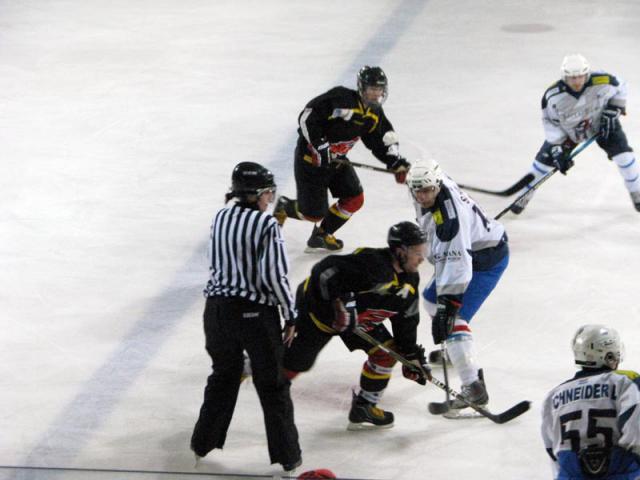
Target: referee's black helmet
[{"x": 250, "y": 178}]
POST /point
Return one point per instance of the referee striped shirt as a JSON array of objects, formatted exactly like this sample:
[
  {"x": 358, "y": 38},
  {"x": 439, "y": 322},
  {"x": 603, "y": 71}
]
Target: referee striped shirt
[{"x": 248, "y": 259}]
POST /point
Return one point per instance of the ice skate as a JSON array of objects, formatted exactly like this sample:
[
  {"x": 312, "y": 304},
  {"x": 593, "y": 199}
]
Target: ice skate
[
  {"x": 475, "y": 392},
  {"x": 364, "y": 415},
  {"x": 322, "y": 242},
  {"x": 635, "y": 198}
]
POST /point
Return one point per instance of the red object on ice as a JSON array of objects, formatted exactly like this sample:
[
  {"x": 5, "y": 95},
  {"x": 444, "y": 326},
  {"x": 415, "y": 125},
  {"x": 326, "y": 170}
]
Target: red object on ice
[{"x": 318, "y": 474}]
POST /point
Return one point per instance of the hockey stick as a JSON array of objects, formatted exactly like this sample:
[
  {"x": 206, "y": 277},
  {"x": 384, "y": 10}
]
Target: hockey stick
[
  {"x": 342, "y": 161},
  {"x": 503, "y": 417},
  {"x": 440, "y": 408},
  {"x": 507, "y": 192},
  {"x": 548, "y": 175}
]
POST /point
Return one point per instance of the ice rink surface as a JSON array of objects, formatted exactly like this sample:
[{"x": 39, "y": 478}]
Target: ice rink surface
[{"x": 120, "y": 123}]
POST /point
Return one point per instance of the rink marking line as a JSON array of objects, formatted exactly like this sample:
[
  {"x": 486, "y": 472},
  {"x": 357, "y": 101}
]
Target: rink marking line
[
  {"x": 157, "y": 472},
  {"x": 87, "y": 411}
]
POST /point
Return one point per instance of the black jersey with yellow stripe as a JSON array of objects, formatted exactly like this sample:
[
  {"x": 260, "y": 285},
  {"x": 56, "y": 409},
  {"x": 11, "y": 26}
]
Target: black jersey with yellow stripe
[
  {"x": 340, "y": 118},
  {"x": 381, "y": 292}
]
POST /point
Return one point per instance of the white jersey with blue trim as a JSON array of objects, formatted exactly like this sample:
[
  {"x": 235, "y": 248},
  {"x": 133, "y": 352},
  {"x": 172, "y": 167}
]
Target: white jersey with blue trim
[
  {"x": 576, "y": 116},
  {"x": 456, "y": 227},
  {"x": 599, "y": 408}
]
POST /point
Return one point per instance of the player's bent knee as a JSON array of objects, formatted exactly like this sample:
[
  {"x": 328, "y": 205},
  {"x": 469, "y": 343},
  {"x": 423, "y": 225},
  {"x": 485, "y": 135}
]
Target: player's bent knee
[{"x": 352, "y": 204}]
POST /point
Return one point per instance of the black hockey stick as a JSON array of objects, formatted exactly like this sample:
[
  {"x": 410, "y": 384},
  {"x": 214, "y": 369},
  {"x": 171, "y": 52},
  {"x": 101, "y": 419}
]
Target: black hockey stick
[
  {"x": 507, "y": 192},
  {"x": 344, "y": 161},
  {"x": 503, "y": 417},
  {"x": 547, "y": 176}
]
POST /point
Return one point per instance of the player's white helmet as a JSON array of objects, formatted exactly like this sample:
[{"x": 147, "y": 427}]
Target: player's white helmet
[
  {"x": 423, "y": 174},
  {"x": 596, "y": 346},
  {"x": 574, "y": 65}
]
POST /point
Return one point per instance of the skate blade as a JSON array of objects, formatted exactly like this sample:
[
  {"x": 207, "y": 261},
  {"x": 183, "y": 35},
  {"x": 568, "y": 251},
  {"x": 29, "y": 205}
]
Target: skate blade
[
  {"x": 354, "y": 427},
  {"x": 462, "y": 414}
]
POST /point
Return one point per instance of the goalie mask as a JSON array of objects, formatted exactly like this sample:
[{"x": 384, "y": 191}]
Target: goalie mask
[{"x": 597, "y": 346}]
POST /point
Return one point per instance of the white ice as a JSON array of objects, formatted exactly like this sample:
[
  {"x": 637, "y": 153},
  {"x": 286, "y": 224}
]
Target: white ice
[{"x": 120, "y": 123}]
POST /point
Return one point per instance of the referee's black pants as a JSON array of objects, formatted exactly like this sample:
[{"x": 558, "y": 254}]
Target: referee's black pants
[{"x": 232, "y": 325}]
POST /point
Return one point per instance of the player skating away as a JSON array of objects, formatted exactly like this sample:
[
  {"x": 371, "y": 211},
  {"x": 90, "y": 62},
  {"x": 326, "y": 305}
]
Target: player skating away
[
  {"x": 577, "y": 107},
  {"x": 591, "y": 423},
  {"x": 469, "y": 252},
  {"x": 366, "y": 287},
  {"x": 329, "y": 126}
]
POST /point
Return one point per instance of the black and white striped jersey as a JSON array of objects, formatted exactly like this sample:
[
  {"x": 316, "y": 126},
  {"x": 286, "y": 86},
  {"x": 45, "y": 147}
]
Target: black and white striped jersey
[{"x": 248, "y": 259}]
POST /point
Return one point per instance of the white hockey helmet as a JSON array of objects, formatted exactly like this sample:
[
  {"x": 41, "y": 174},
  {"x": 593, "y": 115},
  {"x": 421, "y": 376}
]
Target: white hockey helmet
[
  {"x": 574, "y": 65},
  {"x": 596, "y": 346},
  {"x": 423, "y": 174}
]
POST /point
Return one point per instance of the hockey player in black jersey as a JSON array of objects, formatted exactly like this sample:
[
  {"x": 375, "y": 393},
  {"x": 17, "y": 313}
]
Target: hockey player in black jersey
[
  {"x": 329, "y": 126},
  {"x": 364, "y": 289}
]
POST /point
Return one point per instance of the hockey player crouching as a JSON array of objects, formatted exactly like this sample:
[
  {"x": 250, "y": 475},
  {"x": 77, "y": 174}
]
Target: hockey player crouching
[
  {"x": 365, "y": 287},
  {"x": 469, "y": 252},
  {"x": 591, "y": 423}
]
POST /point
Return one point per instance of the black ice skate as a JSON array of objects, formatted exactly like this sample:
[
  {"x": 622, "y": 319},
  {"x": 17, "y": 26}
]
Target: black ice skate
[
  {"x": 285, "y": 208},
  {"x": 364, "y": 415},
  {"x": 475, "y": 392},
  {"x": 321, "y": 241},
  {"x": 635, "y": 198},
  {"x": 521, "y": 204}
]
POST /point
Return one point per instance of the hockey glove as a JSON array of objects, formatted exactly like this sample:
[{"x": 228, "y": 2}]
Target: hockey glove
[
  {"x": 399, "y": 167},
  {"x": 422, "y": 372},
  {"x": 444, "y": 319},
  {"x": 609, "y": 121},
  {"x": 345, "y": 313},
  {"x": 561, "y": 159},
  {"x": 321, "y": 156}
]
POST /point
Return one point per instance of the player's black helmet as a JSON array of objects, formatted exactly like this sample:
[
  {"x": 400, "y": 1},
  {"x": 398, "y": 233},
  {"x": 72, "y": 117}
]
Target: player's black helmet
[
  {"x": 405, "y": 234},
  {"x": 250, "y": 178},
  {"x": 373, "y": 77}
]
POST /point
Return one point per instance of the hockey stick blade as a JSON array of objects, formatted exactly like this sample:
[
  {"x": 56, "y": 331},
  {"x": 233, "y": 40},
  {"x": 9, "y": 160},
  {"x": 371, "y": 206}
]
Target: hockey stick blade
[
  {"x": 515, "y": 188},
  {"x": 440, "y": 408},
  {"x": 503, "y": 417}
]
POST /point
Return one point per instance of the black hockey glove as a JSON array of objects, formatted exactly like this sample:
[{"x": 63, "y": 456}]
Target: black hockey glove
[
  {"x": 609, "y": 121},
  {"x": 321, "y": 156},
  {"x": 399, "y": 167},
  {"x": 345, "y": 313},
  {"x": 444, "y": 319},
  {"x": 422, "y": 372},
  {"x": 561, "y": 159}
]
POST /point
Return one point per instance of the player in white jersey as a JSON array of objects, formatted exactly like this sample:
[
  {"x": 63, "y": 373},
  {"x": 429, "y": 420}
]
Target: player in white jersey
[
  {"x": 591, "y": 423},
  {"x": 469, "y": 252},
  {"x": 581, "y": 105}
]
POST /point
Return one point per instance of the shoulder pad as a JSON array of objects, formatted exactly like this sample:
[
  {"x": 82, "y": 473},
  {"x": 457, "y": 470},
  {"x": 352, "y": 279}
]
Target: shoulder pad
[
  {"x": 602, "y": 78},
  {"x": 553, "y": 90},
  {"x": 446, "y": 216},
  {"x": 630, "y": 374}
]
